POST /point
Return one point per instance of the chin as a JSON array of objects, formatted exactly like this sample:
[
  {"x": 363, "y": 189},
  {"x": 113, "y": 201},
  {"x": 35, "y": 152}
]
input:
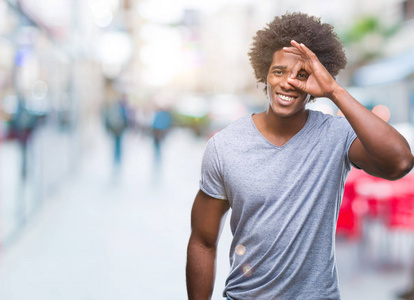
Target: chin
[{"x": 283, "y": 112}]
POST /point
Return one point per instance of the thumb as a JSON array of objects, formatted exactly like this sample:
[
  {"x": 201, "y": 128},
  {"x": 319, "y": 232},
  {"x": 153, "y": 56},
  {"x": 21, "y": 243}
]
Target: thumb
[{"x": 297, "y": 83}]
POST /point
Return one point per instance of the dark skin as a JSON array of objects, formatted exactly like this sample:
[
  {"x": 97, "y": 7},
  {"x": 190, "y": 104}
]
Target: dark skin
[
  {"x": 207, "y": 217},
  {"x": 294, "y": 73},
  {"x": 378, "y": 149}
]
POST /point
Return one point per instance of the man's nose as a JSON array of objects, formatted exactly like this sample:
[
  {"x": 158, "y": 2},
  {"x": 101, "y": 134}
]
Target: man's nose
[{"x": 285, "y": 84}]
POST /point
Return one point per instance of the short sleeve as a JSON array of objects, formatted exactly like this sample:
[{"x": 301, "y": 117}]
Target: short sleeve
[
  {"x": 350, "y": 138},
  {"x": 211, "y": 181}
]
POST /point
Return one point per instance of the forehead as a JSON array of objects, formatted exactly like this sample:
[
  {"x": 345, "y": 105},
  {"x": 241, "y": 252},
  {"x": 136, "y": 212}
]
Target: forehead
[{"x": 282, "y": 58}]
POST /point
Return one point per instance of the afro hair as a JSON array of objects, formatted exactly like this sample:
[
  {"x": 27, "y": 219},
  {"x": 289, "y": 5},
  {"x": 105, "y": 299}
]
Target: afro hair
[{"x": 318, "y": 37}]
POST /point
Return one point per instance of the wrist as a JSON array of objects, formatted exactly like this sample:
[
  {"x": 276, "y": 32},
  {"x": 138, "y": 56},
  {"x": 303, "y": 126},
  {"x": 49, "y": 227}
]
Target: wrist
[{"x": 337, "y": 94}]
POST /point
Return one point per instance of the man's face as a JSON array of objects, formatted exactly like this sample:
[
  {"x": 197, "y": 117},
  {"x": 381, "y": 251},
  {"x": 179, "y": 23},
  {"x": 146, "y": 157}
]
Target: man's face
[{"x": 284, "y": 99}]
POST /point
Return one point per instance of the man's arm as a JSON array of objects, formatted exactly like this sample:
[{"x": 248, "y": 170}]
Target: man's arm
[
  {"x": 378, "y": 149},
  {"x": 207, "y": 218}
]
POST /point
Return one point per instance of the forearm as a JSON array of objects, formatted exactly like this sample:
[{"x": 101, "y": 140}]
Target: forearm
[
  {"x": 200, "y": 270},
  {"x": 386, "y": 148}
]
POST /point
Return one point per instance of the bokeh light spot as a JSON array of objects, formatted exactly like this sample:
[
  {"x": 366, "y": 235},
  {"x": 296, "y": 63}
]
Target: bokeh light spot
[
  {"x": 240, "y": 250},
  {"x": 382, "y": 111},
  {"x": 247, "y": 270},
  {"x": 340, "y": 113}
]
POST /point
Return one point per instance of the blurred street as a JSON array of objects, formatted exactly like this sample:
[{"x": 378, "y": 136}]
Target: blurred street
[
  {"x": 122, "y": 233},
  {"x": 106, "y": 107}
]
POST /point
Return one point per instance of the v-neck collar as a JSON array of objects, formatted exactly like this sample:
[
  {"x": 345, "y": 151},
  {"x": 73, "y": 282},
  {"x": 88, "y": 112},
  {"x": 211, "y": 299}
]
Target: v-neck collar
[{"x": 292, "y": 139}]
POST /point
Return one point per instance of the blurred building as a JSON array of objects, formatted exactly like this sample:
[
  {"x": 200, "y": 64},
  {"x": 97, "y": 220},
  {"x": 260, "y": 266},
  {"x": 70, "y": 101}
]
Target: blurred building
[
  {"x": 62, "y": 59},
  {"x": 388, "y": 79},
  {"x": 48, "y": 85}
]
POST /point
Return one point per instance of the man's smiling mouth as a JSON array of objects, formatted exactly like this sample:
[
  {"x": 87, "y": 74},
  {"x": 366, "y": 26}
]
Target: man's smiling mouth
[{"x": 285, "y": 98}]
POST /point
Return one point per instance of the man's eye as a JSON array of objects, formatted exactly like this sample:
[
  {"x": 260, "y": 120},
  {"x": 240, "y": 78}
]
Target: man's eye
[
  {"x": 302, "y": 76},
  {"x": 277, "y": 72}
]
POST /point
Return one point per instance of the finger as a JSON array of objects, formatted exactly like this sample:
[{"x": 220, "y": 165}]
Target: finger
[
  {"x": 299, "y": 65},
  {"x": 297, "y": 46},
  {"x": 300, "y": 49},
  {"x": 297, "y": 83},
  {"x": 307, "y": 52},
  {"x": 292, "y": 50},
  {"x": 314, "y": 62}
]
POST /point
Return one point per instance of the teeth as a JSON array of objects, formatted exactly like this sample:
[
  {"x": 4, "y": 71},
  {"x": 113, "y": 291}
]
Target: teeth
[{"x": 286, "y": 98}]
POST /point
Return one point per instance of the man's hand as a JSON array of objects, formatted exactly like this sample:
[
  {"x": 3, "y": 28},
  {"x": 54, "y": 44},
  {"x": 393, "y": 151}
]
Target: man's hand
[
  {"x": 319, "y": 83},
  {"x": 379, "y": 149}
]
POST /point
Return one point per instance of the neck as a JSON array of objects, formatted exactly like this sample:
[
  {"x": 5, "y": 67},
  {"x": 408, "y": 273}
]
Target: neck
[{"x": 285, "y": 126}]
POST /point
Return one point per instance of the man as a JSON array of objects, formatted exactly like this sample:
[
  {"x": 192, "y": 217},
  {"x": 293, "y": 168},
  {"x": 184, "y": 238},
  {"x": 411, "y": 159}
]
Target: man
[{"x": 283, "y": 171}]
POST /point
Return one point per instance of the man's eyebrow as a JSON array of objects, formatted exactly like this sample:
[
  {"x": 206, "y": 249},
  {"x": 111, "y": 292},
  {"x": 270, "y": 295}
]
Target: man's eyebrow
[{"x": 279, "y": 67}]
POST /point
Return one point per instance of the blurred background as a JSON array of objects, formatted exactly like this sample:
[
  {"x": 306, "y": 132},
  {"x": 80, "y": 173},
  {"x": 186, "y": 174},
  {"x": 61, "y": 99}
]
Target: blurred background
[{"x": 106, "y": 107}]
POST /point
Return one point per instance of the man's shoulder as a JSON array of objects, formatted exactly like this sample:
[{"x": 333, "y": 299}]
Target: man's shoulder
[
  {"x": 328, "y": 120},
  {"x": 330, "y": 127},
  {"x": 234, "y": 129}
]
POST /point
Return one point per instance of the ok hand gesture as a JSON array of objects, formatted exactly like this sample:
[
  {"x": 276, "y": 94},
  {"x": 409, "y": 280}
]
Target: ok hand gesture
[{"x": 319, "y": 82}]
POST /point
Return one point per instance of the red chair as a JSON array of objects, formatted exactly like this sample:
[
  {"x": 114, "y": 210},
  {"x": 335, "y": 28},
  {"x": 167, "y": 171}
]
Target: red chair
[
  {"x": 349, "y": 220},
  {"x": 366, "y": 196},
  {"x": 401, "y": 214}
]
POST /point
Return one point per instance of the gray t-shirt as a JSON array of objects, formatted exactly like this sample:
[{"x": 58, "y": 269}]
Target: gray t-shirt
[{"x": 285, "y": 203}]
